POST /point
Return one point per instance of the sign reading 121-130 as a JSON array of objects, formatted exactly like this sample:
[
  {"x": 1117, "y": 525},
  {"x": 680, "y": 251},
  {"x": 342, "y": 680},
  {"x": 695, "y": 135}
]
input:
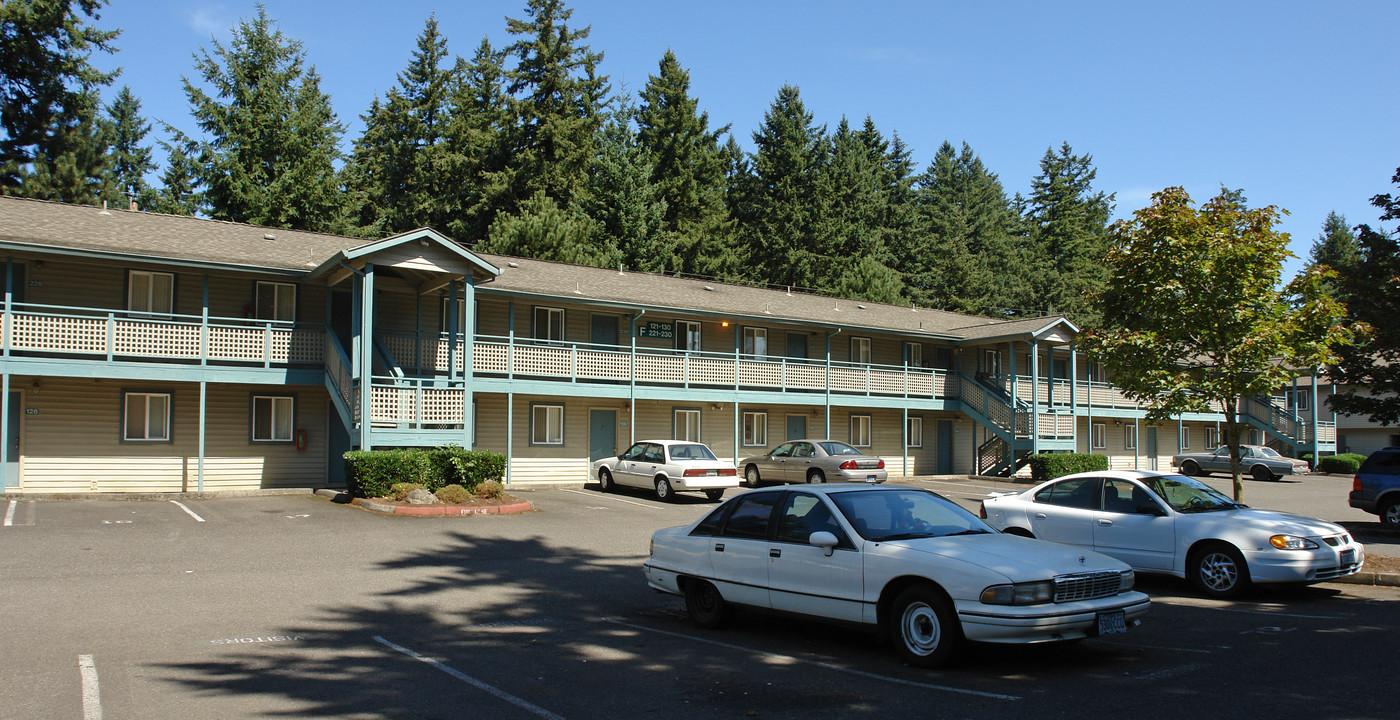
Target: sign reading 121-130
[{"x": 663, "y": 330}]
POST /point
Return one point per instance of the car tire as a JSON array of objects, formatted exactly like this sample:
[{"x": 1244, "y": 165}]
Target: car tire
[
  {"x": 816, "y": 476},
  {"x": 706, "y": 607},
  {"x": 751, "y": 476},
  {"x": 663, "y": 490},
  {"x": 1262, "y": 474},
  {"x": 923, "y": 628},
  {"x": 1390, "y": 514},
  {"x": 1191, "y": 469},
  {"x": 1218, "y": 571},
  {"x": 714, "y": 495},
  {"x": 605, "y": 480}
]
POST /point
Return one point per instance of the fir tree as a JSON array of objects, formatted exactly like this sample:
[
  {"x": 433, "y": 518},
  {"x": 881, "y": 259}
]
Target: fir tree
[
  {"x": 623, "y": 200},
  {"x": 854, "y": 255},
  {"x": 270, "y": 136},
  {"x": 179, "y": 191},
  {"x": 476, "y": 168},
  {"x": 1336, "y": 247},
  {"x": 541, "y": 229},
  {"x": 1068, "y": 222},
  {"x": 51, "y": 140},
  {"x": 130, "y": 159}
]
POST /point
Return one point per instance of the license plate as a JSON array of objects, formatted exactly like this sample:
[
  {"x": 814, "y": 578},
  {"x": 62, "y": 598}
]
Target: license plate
[
  {"x": 1348, "y": 556},
  {"x": 1112, "y": 622},
  {"x": 711, "y": 473},
  {"x": 870, "y": 478}
]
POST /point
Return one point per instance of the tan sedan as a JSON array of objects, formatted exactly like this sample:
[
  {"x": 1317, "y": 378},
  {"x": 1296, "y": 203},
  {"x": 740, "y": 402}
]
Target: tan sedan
[{"x": 813, "y": 461}]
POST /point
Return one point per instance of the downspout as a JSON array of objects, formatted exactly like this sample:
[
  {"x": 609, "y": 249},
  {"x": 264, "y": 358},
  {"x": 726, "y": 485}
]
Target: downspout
[
  {"x": 829, "y": 336},
  {"x": 1035, "y": 396},
  {"x": 632, "y": 381}
]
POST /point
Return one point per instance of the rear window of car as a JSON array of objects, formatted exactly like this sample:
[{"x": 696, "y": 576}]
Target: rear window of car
[{"x": 1382, "y": 463}]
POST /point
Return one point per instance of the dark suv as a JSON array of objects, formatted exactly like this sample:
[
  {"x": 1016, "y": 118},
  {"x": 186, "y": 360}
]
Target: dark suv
[{"x": 1376, "y": 488}]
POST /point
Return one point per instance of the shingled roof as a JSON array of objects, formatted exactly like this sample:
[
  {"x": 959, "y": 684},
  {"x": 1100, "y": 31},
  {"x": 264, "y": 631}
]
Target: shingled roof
[{"x": 48, "y": 225}]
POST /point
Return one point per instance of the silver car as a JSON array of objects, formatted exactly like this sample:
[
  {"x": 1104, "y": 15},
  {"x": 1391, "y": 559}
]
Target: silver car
[
  {"x": 813, "y": 461},
  {"x": 1260, "y": 462}
]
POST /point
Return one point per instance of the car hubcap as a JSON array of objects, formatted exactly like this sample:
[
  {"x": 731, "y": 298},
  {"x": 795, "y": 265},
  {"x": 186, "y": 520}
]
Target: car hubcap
[
  {"x": 663, "y": 489},
  {"x": 707, "y": 599},
  {"x": 919, "y": 628},
  {"x": 1218, "y": 571},
  {"x": 1392, "y": 515},
  {"x": 752, "y": 476}
]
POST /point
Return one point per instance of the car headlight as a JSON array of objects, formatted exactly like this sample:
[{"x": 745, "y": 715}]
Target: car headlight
[
  {"x": 1126, "y": 579},
  {"x": 1291, "y": 542},
  {"x": 1028, "y": 593}
]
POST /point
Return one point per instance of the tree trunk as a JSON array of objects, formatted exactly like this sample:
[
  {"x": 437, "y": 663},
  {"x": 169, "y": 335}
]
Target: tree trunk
[{"x": 1232, "y": 439}]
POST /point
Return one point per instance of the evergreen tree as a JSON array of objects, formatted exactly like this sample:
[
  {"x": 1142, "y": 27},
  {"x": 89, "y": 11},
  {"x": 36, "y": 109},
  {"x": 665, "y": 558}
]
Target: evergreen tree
[
  {"x": 963, "y": 261},
  {"x": 397, "y": 171},
  {"x": 557, "y": 101},
  {"x": 130, "y": 160},
  {"x": 179, "y": 191},
  {"x": 854, "y": 255},
  {"x": 51, "y": 141},
  {"x": 541, "y": 229},
  {"x": 1068, "y": 222},
  {"x": 623, "y": 200},
  {"x": 1337, "y": 246},
  {"x": 270, "y": 146},
  {"x": 688, "y": 169},
  {"x": 475, "y": 167},
  {"x": 780, "y": 200}
]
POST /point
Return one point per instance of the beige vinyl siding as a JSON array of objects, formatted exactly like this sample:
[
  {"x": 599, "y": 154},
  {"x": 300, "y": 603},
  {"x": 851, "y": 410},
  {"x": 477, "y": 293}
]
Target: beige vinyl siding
[{"x": 73, "y": 443}]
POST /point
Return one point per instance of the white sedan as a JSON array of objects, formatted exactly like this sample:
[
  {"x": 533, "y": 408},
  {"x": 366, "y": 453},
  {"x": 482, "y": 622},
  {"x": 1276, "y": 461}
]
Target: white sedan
[
  {"x": 667, "y": 467},
  {"x": 1177, "y": 525},
  {"x": 910, "y": 562}
]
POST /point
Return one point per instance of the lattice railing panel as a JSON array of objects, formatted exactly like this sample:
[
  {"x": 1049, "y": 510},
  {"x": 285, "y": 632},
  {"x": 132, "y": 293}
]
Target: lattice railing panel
[
  {"x": 58, "y": 334},
  {"x": 150, "y": 339},
  {"x": 602, "y": 365}
]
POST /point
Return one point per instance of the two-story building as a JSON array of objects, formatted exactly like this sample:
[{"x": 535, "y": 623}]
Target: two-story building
[{"x": 149, "y": 352}]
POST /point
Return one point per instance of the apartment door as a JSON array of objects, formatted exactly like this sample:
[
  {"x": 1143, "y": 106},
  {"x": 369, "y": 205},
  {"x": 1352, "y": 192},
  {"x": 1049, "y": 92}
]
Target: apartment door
[
  {"x": 797, "y": 346},
  {"x": 945, "y": 447},
  {"x": 11, "y": 471},
  {"x": 796, "y": 427},
  {"x": 602, "y": 434},
  {"x": 1151, "y": 448},
  {"x": 604, "y": 329}
]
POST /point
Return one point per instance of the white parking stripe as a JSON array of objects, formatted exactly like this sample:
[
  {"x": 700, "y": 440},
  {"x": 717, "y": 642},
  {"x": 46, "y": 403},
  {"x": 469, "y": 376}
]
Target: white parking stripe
[
  {"x": 92, "y": 699},
  {"x": 191, "y": 512},
  {"x": 629, "y": 502},
  {"x": 789, "y": 659},
  {"x": 530, "y": 707},
  {"x": 10, "y": 515}
]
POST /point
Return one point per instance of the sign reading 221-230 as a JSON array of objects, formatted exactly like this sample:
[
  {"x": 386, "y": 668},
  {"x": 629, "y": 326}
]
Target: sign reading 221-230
[{"x": 663, "y": 330}]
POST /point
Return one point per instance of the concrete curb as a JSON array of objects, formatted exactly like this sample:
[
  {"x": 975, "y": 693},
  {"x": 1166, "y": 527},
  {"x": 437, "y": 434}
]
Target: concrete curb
[
  {"x": 437, "y": 510},
  {"x": 1384, "y": 579}
]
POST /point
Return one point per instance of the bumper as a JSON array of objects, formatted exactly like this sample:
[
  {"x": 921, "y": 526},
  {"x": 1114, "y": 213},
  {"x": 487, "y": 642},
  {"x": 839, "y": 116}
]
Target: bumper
[
  {"x": 1046, "y": 623},
  {"x": 1360, "y": 500},
  {"x": 1303, "y": 566},
  {"x": 682, "y": 484},
  {"x": 871, "y": 475},
  {"x": 662, "y": 579}
]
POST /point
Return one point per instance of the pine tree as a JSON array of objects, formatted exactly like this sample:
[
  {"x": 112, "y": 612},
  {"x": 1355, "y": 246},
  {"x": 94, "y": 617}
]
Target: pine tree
[
  {"x": 1336, "y": 247},
  {"x": 1068, "y": 222},
  {"x": 130, "y": 160},
  {"x": 179, "y": 182},
  {"x": 854, "y": 254},
  {"x": 542, "y": 229},
  {"x": 622, "y": 198},
  {"x": 476, "y": 164},
  {"x": 51, "y": 140},
  {"x": 557, "y": 101},
  {"x": 779, "y": 201},
  {"x": 270, "y": 147},
  {"x": 397, "y": 171}
]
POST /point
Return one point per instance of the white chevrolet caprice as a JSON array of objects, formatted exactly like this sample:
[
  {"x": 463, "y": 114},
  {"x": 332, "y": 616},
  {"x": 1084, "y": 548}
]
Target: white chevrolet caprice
[
  {"x": 1173, "y": 524},
  {"x": 908, "y": 561}
]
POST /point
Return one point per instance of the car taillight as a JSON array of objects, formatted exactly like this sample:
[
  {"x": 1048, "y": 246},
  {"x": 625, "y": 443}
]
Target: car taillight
[
  {"x": 881, "y": 466},
  {"x": 702, "y": 472},
  {"x": 1356, "y": 483},
  {"x": 728, "y": 472},
  {"x": 848, "y": 465}
]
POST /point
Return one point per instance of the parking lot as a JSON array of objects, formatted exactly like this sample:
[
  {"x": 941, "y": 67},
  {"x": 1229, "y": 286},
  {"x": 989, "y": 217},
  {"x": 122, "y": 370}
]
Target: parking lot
[{"x": 296, "y": 606}]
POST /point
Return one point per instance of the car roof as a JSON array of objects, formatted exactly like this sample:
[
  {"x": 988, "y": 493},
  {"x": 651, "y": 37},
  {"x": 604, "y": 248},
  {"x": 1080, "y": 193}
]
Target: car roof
[
  {"x": 1119, "y": 474},
  {"x": 671, "y": 442},
  {"x": 837, "y": 488}
]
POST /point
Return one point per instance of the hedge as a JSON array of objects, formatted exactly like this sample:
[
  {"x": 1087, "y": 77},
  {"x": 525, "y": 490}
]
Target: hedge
[
  {"x": 1048, "y": 466},
  {"x": 372, "y": 473},
  {"x": 1345, "y": 463}
]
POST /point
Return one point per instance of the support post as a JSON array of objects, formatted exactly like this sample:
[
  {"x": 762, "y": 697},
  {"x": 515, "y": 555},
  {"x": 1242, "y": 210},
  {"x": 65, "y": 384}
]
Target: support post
[{"x": 365, "y": 358}]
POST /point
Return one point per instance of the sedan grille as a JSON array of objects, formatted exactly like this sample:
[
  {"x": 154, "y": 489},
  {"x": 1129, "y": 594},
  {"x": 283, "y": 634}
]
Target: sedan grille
[{"x": 1086, "y": 586}]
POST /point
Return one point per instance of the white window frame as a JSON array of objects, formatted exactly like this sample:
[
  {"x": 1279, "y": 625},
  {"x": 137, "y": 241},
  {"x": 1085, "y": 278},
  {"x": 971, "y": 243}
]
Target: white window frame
[
  {"x": 550, "y": 328},
  {"x": 685, "y": 331},
  {"x": 991, "y": 363},
  {"x": 146, "y": 304},
  {"x": 685, "y": 424},
  {"x": 1098, "y": 436},
  {"x": 280, "y": 306},
  {"x": 1212, "y": 438},
  {"x": 914, "y": 431},
  {"x": 146, "y": 434},
  {"x": 1129, "y": 436},
  {"x": 860, "y": 430},
  {"x": 860, "y": 350},
  {"x": 913, "y": 354},
  {"x": 755, "y": 428},
  {"x": 755, "y": 342},
  {"x": 1185, "y": 437},
  {"x": 287, "y": 406},
  {"x": 461, "y": 314},
  {"x": 553, "y": 424}
]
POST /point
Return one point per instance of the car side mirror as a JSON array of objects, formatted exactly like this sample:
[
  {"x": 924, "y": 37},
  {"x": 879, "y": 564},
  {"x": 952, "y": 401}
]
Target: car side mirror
[
  {"x": 1151, "y": 509},
  {"x": 824, "y": 540}
]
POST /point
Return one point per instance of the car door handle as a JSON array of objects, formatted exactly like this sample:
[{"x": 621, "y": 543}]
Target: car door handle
[
  {"x": 775, "y": 552},
  {"x": 1040, "y": 515},
  {"x": 1105, "y": 522},
  {"x": 719, "y": 547}
]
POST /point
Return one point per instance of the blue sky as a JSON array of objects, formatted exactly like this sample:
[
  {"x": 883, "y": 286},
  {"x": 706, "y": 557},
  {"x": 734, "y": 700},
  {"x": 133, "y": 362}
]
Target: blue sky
[{"x": 1295, "y": 102}]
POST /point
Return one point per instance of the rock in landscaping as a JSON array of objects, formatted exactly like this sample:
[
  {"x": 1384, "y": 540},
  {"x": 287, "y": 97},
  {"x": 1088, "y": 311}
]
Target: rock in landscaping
[{"x": 421, "y": 497}]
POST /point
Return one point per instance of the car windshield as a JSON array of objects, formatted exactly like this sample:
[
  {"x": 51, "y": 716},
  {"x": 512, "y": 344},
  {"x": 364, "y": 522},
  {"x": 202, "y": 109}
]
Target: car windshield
[
  {"x": 838, "y": 448},
  {"x": 1188, "y": 495},
  {"x": 892, "y": 514},
  {"x": 691, "y": 452}
]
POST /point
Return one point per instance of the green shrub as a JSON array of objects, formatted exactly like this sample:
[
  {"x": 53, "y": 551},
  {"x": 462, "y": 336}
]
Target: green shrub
[
  {"x": 372, "y": 473},
  {"x": 455, "y": 494},
  {"x": 400, "y": 491},
  {"x": 1048, "y": 466},
  {"x": 490, "y": 489},
  {"x": 1345, "y": 463}
]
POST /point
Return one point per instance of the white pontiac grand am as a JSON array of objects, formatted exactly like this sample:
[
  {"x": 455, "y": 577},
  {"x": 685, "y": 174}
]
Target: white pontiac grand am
[
  {"x": 1177, "y": 525},
  {"x": 912, "y": 563}
]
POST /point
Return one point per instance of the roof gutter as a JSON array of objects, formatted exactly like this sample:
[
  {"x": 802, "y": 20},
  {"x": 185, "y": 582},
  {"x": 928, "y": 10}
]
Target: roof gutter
[{"x": 150, "y": 259}]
